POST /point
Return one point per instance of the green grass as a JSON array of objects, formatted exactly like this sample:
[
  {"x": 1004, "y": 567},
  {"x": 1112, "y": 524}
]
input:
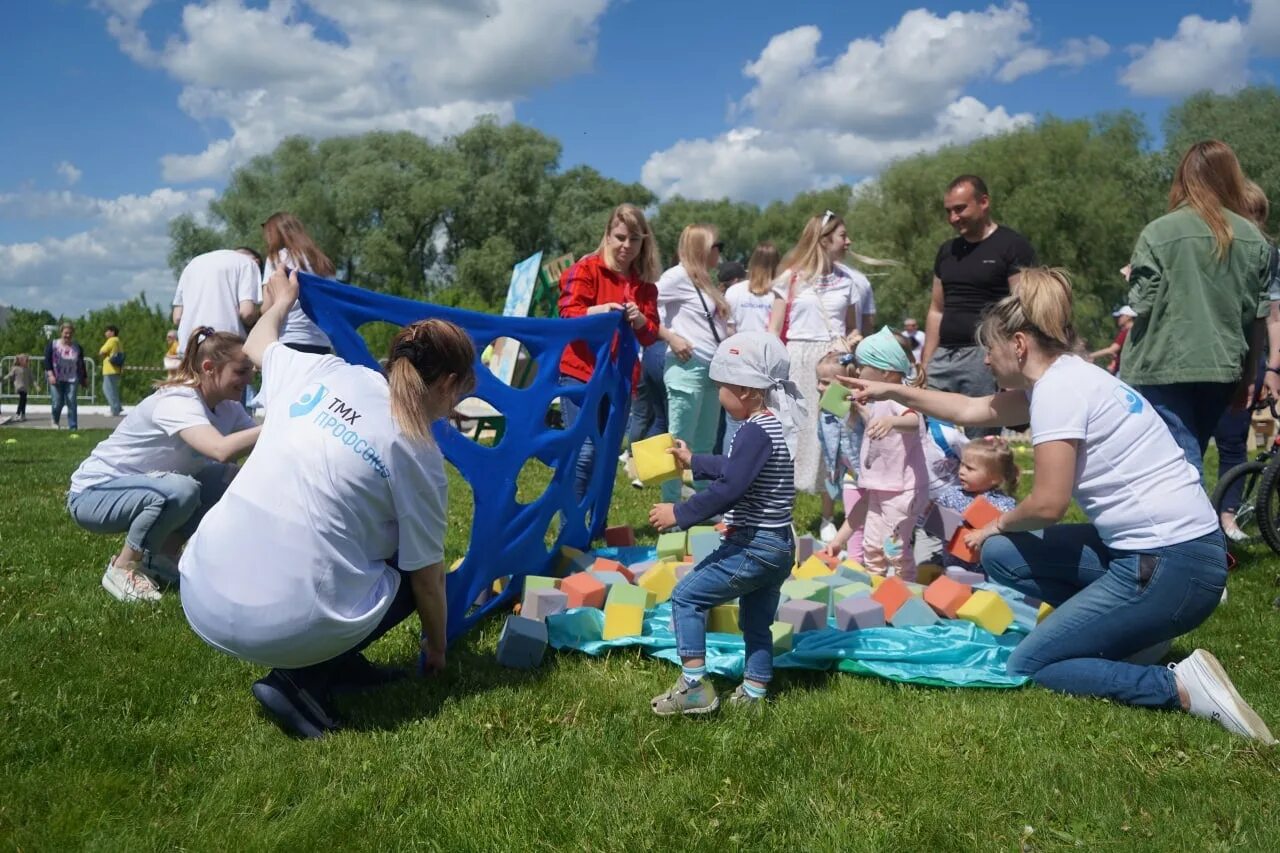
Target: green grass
[{"x": 122, "y": 731}]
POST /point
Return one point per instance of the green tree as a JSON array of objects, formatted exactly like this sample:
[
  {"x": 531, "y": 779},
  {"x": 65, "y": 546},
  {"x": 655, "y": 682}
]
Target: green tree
[
  {"x": 583, "y": 201},
  {"x": 735, "y": 221}
]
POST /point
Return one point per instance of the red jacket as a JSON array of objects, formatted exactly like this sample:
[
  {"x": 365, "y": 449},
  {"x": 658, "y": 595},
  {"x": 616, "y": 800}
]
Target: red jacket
[{"x": 589, "y": 282}]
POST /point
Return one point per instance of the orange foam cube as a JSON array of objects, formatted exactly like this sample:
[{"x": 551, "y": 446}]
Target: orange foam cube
[
  {"x": 947, "y": 596},
  {"x": 957, "y": 547},
  {"x": 891, "y": 594},
  {"x": 583, "y": 590},
  {"x": 603, "y": 564},
  {"x": 980, "y": 513}
]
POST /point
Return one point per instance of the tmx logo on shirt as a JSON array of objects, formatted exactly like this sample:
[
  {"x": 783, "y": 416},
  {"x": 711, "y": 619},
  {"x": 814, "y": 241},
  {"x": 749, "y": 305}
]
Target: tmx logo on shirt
[{"x": 337, "y": 419}]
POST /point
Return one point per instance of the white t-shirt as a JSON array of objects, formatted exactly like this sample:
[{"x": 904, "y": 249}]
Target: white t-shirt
[
  {"x": 1132, "y": 480},
  {"x": 288, "y": 569},
  {"x": 681, "y": 311},
  {"x": 819, "y": 306},
  {"x": 750, "y": 312},
  {"x": 147, "y": 439},
  {"x": 210, "y": 291},
  {"x": 298, "y": 327},
  {"x": 864, "y": 300},
  {"x": 917, "y": 343},
  {"x": 944, "y": 467}
]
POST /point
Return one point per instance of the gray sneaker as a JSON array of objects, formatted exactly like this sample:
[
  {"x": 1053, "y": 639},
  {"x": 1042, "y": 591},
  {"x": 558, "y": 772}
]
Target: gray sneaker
[
  {"x": 683, "y": 698},
  {"x": 1214, "y": 697},
  {"x": 740, "y": 698}
]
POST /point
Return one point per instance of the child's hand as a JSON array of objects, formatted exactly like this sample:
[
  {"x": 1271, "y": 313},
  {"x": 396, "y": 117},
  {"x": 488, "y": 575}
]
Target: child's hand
[
  {"x": 879, "y": 428},
  {"x": 830, "y": 551},
  {"x": 684, "y": 457},
  {"x": 663, "y": 516}
]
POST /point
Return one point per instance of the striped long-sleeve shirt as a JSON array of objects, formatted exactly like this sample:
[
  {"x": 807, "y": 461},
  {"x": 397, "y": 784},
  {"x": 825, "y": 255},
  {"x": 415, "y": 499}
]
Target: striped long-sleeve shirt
[{"x": 753, "y": 486}]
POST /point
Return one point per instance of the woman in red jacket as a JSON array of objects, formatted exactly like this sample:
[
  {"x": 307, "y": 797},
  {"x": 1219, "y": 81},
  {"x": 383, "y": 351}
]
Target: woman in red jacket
[{"x": 618, "y": 276}]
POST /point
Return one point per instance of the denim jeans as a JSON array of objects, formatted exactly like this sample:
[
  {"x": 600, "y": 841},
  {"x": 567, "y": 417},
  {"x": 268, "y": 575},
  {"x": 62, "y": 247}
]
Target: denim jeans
[
  {"x": 149, "y": 508},
  {"x": 1109, "y": 605},
  {"x": 570, "y": 411},
  {"x": 64, "y": 394},
  {"x": 750, "y": 565},
  {"x": 1232, "y": 438},
  {"x": 1191, "y": 410},
  {"x": 693, "y": 411},
  {"x": 649, "y": 414},
  {"x": 111, "y": 390}
]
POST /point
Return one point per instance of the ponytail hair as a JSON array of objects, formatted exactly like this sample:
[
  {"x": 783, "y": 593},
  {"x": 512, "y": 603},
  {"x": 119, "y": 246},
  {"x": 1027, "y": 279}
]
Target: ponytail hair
[
  {"x": 204, "y": 343},
  {"x": 423, "y": 354},
  {"x": 1041, "y": 306},
  {"x": 995, "y": 455},
  {"x": 920, "y": 377}
]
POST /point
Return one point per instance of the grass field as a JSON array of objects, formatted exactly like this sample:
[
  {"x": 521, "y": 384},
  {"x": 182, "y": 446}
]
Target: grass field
[{"x": 122, "y": 731}]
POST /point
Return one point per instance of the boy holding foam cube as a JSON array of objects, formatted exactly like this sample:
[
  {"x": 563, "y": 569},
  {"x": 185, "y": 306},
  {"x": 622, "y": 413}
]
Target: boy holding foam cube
[{"x": 754, "y": 488}]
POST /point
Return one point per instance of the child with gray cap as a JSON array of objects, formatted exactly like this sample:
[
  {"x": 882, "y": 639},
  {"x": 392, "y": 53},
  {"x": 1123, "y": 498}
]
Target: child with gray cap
[{"x": 754, "y": 487}]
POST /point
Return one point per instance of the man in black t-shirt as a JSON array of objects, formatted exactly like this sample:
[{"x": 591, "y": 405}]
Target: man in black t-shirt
[{"x": 972, "y": 271}]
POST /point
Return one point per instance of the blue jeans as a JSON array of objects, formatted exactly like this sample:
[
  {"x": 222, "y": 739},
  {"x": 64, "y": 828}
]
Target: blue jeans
[
  {"x": 751, "y": 566},
  {"x": 1110, "y": 604},
  {"x": 111, "y": 390},
  {"x": 570, "y": 411},
  {"x": 64, "y": 393},
  {"x": 149, "y": 508},
  {"x": 649, "y": 414},
  {"x": 1232, "y": 438},
  {"x": 1191, "y": 410}
]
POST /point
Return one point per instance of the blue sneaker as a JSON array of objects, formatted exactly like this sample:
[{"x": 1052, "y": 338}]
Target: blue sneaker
[{"x": 293, "y": 707}]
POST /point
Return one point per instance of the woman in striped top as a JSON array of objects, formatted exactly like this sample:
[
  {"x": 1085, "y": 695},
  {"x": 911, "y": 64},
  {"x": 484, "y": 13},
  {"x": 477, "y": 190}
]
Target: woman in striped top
[{"x": 754, "y": 487}]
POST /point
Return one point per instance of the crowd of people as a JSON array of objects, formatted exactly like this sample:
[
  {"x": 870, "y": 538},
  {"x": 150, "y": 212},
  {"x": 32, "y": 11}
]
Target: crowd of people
[{"x": 331, "y": 531}]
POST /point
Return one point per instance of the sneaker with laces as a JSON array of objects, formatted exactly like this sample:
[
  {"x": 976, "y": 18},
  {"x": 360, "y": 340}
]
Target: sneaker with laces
[
  {"x": 128, "y": 583},
  {"x": 685, "y": 698},
  {"x": 740, "y": 698},
  {"x": 1214, "y": 697}
]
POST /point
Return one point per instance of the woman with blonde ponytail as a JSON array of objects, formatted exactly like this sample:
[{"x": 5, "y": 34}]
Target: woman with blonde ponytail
[
  {"x": 333, "y": 532},
  {"x": 1149, "y": 565},
  {"x": 695, "y": 318}
]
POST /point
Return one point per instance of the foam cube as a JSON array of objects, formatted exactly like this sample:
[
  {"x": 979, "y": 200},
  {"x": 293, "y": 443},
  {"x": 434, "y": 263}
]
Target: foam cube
[
  {"x": 812, "y": 568},
  {"x": 623, "y": 620},
  {"x": 806, "y": 591},
  {"x": 702, "y": 543},
  {"x": 956, "y": 573},
  {"x": 859, "y": 612},
  {"x": 805, "y": 546},
  {"x": 638, "y": 569},
  {"x": 658, "y": 582},
  {"x": 627, "y": 594},
  {"x": 620, "y": 536},
  {"x": 672, "y": 544},
  {"x": 835, "y": 400},
  {"x": 783, "y": 633},
  {"x": 541, "y": 603},
  {"x": 850, "y": 590},
  {"x": 917, "y": 589},
  {"x": 723, "y": 619},
  {"x": 610, "y": 578},
  {"x": 540, "y": 582},
  {"x": 703, "y": 528},
  {"x": 683, "y": 569},
  {"x": 927, "y": 573},
  {"x": 522, "y": 643},
  {"x": 980, "y": 513},
  {"x": 876, "y": 580},
  {"x": 959, "y": 549},
  {"x": 603, "y": 564},
  {"x": 584, "y": 625},
  {"x": 913, "y": 612},
  {"x": 946, "y": 596},
  {"x": 583, "y": 590},
  {"x": 1045, "y": 609},
  {"x": 893, "y": 593},
  {"x": 853, "y": 571},
  {"x": 987, "y": 610},
  {"x": 803, "y": 615},
  {"x": 830, "y": 561},
  {"x": 653, "y": 464}
]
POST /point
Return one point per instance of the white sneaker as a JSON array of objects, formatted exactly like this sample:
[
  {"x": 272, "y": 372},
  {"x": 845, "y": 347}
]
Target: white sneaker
[
  {"x": 828, "y": 530},
  {"x": 637, "y": 483},
  {"x": 1235, "y": 534},
  {"x": 129, "y": 584},
  {"x": 1214, "y": 697}
]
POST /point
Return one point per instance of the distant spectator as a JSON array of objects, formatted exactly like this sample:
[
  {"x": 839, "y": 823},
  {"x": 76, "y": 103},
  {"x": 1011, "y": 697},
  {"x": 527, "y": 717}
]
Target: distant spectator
[
  {"x": 750, "y": 301},
  {"x": 291, "y": 247},
  {"x": 171, "y": 358},
  {"x": 1124, "y": 320},
  {"x": 729, "y": 273},
  {"x": 65, "y": 370},
  {"x": 219, "y": 289},
  {"x": 20, "y": 376},
  {"x": 911, "y": 329},
  {"x": 112, "y": 355}
]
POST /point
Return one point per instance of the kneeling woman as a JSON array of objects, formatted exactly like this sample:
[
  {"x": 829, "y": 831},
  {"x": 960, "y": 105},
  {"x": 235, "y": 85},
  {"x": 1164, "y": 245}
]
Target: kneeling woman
[
  {"x": 1151, "y": 563},
  {"x": 333, "y": 533},
  {"x": 166, "y": 464}
]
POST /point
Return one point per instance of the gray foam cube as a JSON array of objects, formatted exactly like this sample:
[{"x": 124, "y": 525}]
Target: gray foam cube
[
  {"x": 960, "y": 575},
  {"x": 913, "y": 612},
  {"x": 682, "y": 570},
  {"x": 805, "y": 546},
  {"x": 541, "y": 603},
  {"x": 522, "y": 643},
  {"x": 859, "y": 612},
  {"x": 803, "y": 615}
]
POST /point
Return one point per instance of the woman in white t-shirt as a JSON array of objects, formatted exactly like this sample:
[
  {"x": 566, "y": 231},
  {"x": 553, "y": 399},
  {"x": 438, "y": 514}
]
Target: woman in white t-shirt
[
  {"x": 289, "y": 246},
  {"x": 695, "y": 319},
  {"x": 1151, "y": 563},
  {"x": 166, "y": 464},
  {"x": 333, "y": 532},
  {"x": 750, "y": 304}
]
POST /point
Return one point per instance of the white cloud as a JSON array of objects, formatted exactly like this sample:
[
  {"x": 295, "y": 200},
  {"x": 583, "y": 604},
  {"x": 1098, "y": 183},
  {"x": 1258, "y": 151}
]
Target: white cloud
[
  {"x": 1202, "y": 54},
  {"x": 431, "y": 68},
  {"x": 69, "y": 172},
  {"x": 1074, "y": 54}
]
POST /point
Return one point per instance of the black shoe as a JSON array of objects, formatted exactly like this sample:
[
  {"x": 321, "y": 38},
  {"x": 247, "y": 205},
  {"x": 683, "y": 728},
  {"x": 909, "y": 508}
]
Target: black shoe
[
  {"x": 294, "y": 708},
  {"x": 355, "y": 674}
]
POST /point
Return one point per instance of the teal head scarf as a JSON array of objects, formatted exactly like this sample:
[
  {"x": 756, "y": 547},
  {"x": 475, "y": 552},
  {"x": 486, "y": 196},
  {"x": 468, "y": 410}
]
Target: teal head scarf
[{"x": 883, "y": 351}]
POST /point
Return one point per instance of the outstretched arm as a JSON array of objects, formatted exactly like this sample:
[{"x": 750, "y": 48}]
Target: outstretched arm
[
  {"x": 1005, "y": 408},
  {"x": 280, "y": 293}
]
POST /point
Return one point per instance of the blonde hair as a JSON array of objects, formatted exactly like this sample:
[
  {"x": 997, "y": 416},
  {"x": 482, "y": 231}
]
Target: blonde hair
[
  {"x": 762, "y": 269},
  {"x": 285, "y": 231},
  {"x": 1207, "y": 180},
  {"x": 695, "y": 256},
  {"x": 831, "y": 361},
  {"x": 1256, "y": 207},
  {"x": 1042, "y": 307},
  {"x": 219, "y": 347},
  {"x": 422, "y": 355},
  {"x": 994, "y": 455},
  {"x": 22, "y": 359},
  {"x": 807, "y": 258},
  {"x": 646, "y": 266}
]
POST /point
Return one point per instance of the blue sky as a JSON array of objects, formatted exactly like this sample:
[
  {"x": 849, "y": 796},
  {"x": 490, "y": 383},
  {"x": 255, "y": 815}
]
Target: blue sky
[{"x": 121, "y": 114}]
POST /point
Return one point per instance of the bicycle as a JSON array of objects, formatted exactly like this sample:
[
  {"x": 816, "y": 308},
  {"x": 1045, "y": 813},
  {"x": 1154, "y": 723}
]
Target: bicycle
[{"x": 1256, "y": 514}]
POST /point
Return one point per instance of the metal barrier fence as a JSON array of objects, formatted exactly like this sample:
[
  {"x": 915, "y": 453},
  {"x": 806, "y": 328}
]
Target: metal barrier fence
[{"x": 39, "y": 389}]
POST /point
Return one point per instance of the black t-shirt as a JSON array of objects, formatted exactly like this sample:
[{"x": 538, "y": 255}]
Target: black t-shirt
[{"x": 975, "y": 275}]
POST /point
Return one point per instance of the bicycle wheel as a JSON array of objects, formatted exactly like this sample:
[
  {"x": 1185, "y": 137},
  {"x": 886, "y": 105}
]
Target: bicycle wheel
[
  {"x": 1267, "y": 504},
  {"x": 1247, "y": 478}
]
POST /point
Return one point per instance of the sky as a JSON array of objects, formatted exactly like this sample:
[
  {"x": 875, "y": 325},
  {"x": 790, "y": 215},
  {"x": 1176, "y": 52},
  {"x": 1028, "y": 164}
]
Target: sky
[{"x": 121, "y": 114}]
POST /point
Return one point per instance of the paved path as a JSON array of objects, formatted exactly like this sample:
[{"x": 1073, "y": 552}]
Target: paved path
[{"x": 39, "y": 417}]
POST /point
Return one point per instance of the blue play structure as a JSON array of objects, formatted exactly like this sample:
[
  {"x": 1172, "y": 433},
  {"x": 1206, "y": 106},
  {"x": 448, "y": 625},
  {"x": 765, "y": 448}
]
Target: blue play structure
[{"x": 508, "y": 537}]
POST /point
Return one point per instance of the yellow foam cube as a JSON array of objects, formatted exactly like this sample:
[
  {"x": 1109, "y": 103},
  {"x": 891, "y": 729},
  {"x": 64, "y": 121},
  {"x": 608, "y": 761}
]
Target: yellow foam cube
[
  {"x": 652, "y": 461},
  {"x": 1045, "y": 609},
  {"x": 782, "y": 632},
  {"x": 987, "y": 610},
  {"x": 812, "y": 568},
  {"x": 622, "y": 620},
  {"x": 876, "y": 580},
  {"x": 658, "y": 582},
  {"x": 855, "y": 565},
  {"x": 723, "y": 619}
]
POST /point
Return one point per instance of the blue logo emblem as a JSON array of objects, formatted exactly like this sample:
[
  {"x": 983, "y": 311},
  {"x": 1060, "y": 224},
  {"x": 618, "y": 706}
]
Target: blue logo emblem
[
  {"x": 307, "y": 401},
  {"x": 1129, "y": 398}
]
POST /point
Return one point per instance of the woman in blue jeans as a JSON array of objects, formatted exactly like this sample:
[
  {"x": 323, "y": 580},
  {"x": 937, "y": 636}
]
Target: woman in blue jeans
[
  {"x": 1151, "y": 563},
  {"x": 165, "y": 465}
]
